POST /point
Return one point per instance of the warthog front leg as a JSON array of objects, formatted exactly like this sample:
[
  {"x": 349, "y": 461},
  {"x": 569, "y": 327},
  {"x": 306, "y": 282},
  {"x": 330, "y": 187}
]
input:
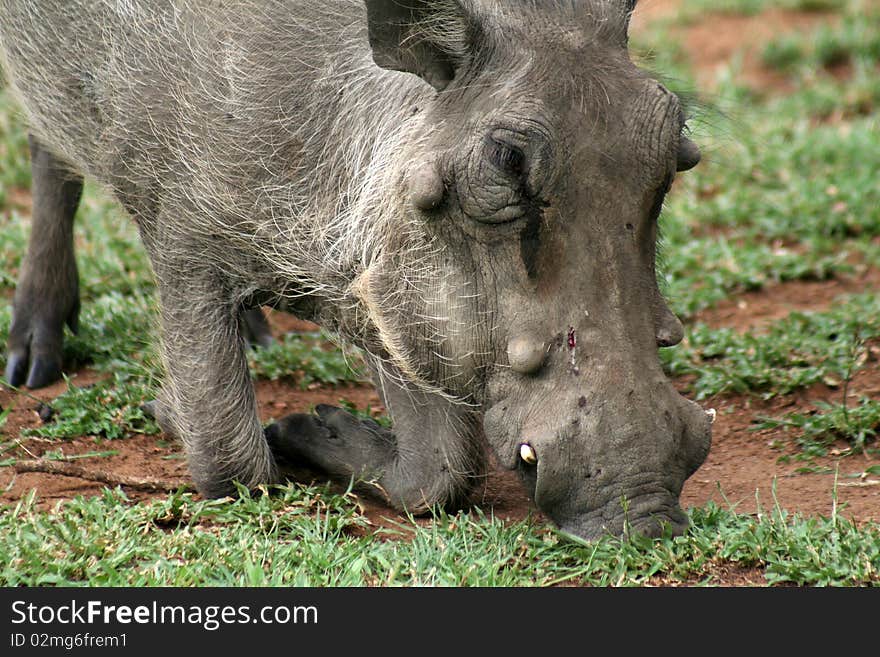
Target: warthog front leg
[
  {"x": 433, "y": 456},
  {"x": 207, "y": 398},
  {"x": 47, "y": 293}
]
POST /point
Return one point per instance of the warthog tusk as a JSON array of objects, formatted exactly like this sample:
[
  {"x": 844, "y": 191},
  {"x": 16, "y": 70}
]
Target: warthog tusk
[
  {"x": 527, "y": 453},
  {"x": 711, "y": 414}
]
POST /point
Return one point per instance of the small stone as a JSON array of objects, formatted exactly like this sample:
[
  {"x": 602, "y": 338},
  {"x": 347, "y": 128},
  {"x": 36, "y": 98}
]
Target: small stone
[{"x": 45, "y": 412}]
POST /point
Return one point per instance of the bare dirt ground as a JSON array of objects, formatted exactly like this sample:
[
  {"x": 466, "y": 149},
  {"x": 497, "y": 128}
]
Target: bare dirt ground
[{"x": 743, "y": 468}]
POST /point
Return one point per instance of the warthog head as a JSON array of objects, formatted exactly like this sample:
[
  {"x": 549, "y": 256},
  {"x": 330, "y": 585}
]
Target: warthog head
[{"x": 539, "y": 178}]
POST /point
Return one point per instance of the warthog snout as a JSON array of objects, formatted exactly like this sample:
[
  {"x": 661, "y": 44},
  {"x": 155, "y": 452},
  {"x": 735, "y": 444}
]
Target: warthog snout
[{"x": 607, "y": 455}]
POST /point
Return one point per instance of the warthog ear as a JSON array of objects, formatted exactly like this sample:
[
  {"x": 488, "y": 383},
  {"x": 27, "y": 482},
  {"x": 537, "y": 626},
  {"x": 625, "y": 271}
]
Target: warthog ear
[{"x": 429, "y": 38}]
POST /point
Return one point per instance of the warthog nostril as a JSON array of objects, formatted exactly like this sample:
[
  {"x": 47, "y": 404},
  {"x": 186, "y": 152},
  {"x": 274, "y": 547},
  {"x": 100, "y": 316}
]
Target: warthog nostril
[
  {"x": 528, "y": 454},
  {"x": 526, "y": 354}
]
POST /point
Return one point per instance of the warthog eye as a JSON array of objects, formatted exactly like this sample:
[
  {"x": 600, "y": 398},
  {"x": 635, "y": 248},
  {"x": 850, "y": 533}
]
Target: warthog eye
[{"x": 505, "y": 157}]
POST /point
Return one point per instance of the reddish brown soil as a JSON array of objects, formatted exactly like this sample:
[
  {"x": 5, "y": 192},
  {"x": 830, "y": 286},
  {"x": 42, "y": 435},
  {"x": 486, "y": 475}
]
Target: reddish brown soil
[
  {"x": 752, "y": 311},
  {"x": 743, "y": 468},
  {"x": 725, "y": 40},
  {"x": 718, "y": 42}
]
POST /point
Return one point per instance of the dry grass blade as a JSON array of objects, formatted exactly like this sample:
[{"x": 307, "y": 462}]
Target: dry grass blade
[{"x": 111, "y": 478}]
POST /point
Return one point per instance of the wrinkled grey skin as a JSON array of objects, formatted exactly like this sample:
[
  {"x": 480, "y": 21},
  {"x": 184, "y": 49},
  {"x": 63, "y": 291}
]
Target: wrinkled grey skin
[{"x": 467, "y": 190}]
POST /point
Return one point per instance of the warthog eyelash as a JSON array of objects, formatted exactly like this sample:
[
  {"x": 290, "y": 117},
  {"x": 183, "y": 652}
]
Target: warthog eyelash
[{"x": 506, "y": 157}]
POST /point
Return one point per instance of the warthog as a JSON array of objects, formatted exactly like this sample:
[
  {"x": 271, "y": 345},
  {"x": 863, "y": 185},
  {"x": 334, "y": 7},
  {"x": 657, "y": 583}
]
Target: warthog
[{"x": 467, "y": 190}]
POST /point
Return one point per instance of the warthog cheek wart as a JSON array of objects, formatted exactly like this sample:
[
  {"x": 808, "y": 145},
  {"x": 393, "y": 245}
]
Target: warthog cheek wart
[
  {"x": 526, "y": 354},
  {"x": 426, "y": 187}
]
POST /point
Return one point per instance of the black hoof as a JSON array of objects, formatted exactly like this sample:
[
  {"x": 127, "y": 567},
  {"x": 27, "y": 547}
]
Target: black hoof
[
  {"x": 43, "y": 370},
  {"x": 16, "y": 369},
  {"x": 295, "y": 438},
  {"x": 332, "y": 440}
]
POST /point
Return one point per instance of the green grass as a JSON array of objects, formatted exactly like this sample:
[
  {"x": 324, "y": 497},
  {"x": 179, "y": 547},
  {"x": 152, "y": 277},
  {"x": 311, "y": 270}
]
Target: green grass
[
  {"x": 782, "y": 199},
  {"x": 784, "y": 53},
  {"x": 695, "y": 9},
  {"x": 306, "y": 359},
  {"x": 787, "y": 188},
  {"x": 109, "y": 409},
  {"x": 306, "y": 536},
  {"x": 15, "y": 172},
  {"x": 817, "y": 431},
  {"x": 794, "y": 353},
  {"x": 855, "y": 39}
]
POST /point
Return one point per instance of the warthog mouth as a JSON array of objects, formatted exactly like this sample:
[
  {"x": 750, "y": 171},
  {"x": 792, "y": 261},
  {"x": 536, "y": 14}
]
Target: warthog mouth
[{"x": 645, "y": 516}]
